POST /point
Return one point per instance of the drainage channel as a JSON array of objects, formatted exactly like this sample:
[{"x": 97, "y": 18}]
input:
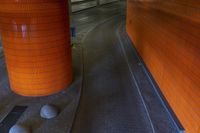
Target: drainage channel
[{"x": 11, "y": 118}]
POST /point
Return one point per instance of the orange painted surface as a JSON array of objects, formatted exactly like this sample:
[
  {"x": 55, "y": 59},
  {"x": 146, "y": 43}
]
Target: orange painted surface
[
  {"x": 167, "y": 36},
  {"x": 36, "y": 44}
]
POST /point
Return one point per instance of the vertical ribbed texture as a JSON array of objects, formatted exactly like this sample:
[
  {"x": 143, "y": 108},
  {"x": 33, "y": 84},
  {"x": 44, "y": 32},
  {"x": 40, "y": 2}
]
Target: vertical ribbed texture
[{"x": 36, "y": 44}]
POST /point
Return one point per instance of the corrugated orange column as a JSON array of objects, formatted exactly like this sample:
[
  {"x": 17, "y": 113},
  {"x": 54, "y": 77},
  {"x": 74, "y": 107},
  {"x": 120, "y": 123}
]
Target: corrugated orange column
[{"x": 36, "y": 44}]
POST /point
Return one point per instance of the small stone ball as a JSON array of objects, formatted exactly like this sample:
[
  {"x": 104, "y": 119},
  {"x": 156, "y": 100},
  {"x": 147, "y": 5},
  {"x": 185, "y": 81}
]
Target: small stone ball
[
  {"x": 19, "y": 129},
  {"x": 48, "y": 111}
]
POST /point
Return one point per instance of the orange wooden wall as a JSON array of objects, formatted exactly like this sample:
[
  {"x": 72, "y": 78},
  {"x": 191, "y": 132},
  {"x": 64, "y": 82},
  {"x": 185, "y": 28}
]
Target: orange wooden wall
[
  {"x": 166, "y": 34},
  {"x": 36, "y": 44}
]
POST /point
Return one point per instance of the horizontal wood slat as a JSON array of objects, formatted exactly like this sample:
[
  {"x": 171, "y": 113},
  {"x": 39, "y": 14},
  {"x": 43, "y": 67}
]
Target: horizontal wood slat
[
  {"x": 36, "y": 44},
  {"x": 167, "y": 36}
]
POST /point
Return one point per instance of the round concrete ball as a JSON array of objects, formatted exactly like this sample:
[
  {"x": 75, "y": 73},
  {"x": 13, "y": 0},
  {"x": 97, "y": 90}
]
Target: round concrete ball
[
  {"x": 48, "y": 111},
  {"x": 19, "y": 129}
]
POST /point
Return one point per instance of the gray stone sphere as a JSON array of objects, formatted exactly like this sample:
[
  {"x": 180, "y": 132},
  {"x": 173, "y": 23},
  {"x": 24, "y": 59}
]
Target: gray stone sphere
[
  {"x": 48, "y": 111},
  {"x": 19, "y": 129}
]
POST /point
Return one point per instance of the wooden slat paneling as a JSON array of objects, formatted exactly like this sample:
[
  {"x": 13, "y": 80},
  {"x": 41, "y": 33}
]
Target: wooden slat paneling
[
  {"x": 36, "y": 45},
  {"x": 167, "y": 36}
]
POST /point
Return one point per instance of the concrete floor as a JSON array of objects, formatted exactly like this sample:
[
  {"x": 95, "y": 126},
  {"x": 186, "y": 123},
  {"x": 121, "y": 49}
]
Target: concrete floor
[
  {"x": 73, "y": 1},
  {"x": 113, "y": 100},
  {"x": 110, "y": 94},
  {"x": 78, "y": 5}
]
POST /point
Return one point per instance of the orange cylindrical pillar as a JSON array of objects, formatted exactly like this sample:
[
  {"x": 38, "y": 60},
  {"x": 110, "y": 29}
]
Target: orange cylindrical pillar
[{"x": 36, "y": 45}]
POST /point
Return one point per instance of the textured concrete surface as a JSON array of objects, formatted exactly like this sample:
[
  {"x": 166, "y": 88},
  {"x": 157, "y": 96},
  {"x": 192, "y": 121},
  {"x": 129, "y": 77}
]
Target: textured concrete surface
[
  {"x": 111, "y": 101},
  {"x": 106, "y": 102},
  {"x": 83, "y": 5},
  {"x": 78, "y": 5},
  {"x": 73, "y": 1}
]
